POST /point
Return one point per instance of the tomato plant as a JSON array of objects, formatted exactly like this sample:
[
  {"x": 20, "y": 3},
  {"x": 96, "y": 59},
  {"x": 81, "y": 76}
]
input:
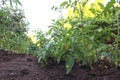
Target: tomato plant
[{"x": 87, "y": 34}]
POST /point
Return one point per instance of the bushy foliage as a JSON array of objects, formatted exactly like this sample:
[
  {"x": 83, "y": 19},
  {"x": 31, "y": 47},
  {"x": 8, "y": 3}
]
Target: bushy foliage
[
  {"x": 13, "y": 29},
  {"x": 83, "y": 38}
]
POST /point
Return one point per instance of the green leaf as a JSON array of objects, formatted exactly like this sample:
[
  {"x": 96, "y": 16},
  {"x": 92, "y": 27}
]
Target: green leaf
[
  {"x": 101, "y": 5},
  {"x": 64, "y": 3},
  {"x": 109, "y": 5},
  {"x": 59, "y": 23},
  {"x": 18, "y": 2},
  {"x": 50, "y": 31},
  {"x": 93, "y": 10},
  {"x": 69, "y": 63},
  {"x": 99, "y": 30},
  {"x": 54, "y": 8},
  {"x": 67, "y": 6},
  {"x": 3, "y": 2},
  {"x": 11, "y": 2},
  {"x": 70, "y": 1},
  {"x": 75, "y": 3},
  {"x": 84, "y": 3},
  {"x": 39, "y": 59}
]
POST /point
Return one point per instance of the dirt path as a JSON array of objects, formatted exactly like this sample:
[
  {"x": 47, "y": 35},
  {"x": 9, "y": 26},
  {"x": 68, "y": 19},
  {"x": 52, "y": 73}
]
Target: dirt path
[{"x": 25, "y": 67}]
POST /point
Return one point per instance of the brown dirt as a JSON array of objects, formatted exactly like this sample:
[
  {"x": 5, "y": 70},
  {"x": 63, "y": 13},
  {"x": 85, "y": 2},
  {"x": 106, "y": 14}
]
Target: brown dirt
[{"x": 25, "y": 67}]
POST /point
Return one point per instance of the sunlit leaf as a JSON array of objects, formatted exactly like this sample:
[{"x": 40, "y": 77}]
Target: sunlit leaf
[
  {"x": 67, "y": 5},
  {"x": 69, "y": 63},
  {"x": 101, "y": 5},
  {"x": 109, "y": 5},
  {"x": 93, "y": 10},
  {"x": 99, "y": 30}
]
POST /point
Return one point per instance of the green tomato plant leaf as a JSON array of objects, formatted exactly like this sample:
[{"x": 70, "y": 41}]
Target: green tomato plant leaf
[
  {"x": 69, "y": 63},
  {"x": 64, "y": 4}
]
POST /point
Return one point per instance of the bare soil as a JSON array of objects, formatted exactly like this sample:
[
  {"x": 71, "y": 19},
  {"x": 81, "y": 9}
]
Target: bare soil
[{"x": 16, "y": 66}]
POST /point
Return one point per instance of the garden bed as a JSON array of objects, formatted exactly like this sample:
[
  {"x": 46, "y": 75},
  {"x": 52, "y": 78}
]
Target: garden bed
[{"x": 14, "y": 66}]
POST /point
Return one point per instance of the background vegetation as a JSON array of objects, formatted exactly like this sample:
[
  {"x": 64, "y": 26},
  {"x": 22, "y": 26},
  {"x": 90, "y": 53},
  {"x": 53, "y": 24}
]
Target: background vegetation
[{"x": 13, "y": 28}]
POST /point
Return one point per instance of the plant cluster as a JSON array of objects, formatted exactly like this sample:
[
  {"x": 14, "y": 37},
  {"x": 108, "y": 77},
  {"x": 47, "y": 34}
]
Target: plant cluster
[
  {"x": 81, "y": 37},
  {"x": 13, "y": 29}
]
